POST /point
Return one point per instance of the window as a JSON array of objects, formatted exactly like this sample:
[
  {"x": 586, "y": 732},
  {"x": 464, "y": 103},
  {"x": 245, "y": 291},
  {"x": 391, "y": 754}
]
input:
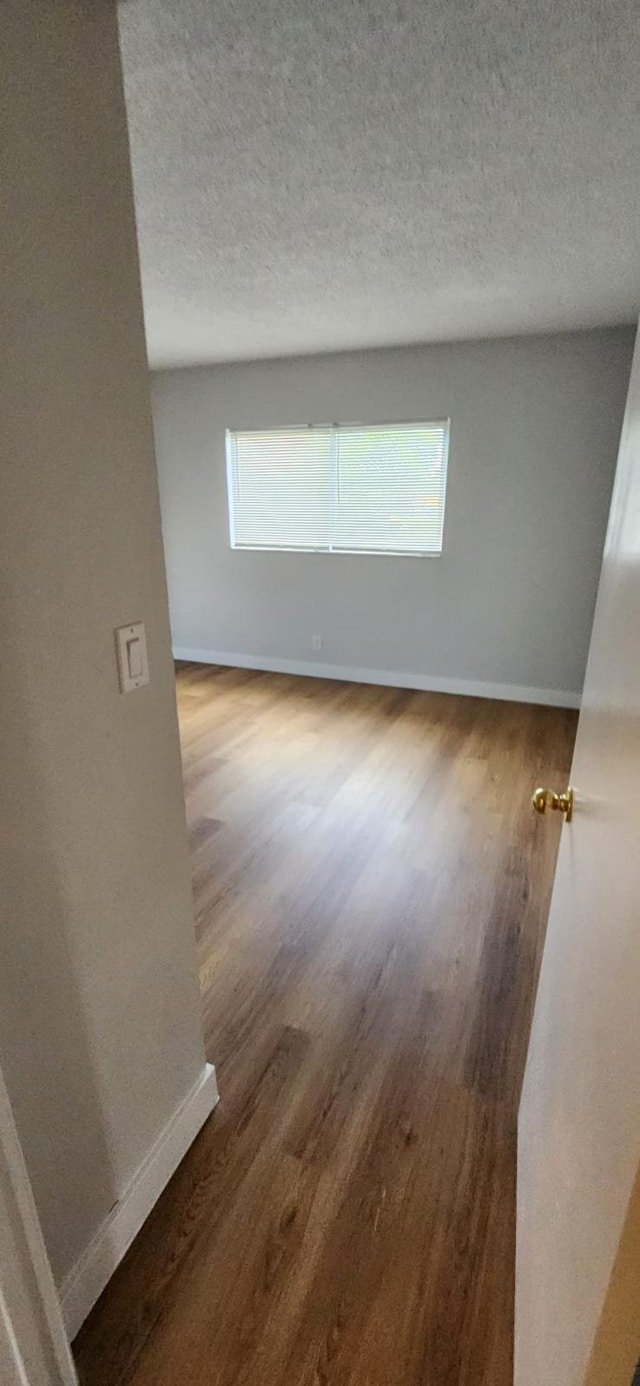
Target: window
[{"x": 340, "y": 489}]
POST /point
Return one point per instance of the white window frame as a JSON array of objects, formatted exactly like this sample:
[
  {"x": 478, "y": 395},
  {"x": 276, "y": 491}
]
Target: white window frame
[{"x": 334, "y": 428}]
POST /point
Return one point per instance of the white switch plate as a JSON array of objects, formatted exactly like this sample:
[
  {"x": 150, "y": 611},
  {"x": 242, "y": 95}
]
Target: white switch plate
[{"x": 131, "y": 644}]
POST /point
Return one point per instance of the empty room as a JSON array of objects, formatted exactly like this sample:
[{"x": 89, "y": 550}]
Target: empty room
[{"x": 319, "y": 1044}]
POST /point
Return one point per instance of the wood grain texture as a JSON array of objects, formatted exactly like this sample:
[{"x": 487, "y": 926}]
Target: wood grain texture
[{"x": 371, "y": 890}]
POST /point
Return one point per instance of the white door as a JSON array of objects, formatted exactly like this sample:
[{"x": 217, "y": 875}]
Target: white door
[{"x": 578, "y": 1223}]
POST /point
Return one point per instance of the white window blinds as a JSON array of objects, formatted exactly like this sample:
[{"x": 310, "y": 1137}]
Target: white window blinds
[{"x": 341, "y": 489}]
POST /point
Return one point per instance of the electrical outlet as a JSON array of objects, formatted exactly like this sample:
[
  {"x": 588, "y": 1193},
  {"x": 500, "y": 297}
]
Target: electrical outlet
[{"x": 316, "y": 642}]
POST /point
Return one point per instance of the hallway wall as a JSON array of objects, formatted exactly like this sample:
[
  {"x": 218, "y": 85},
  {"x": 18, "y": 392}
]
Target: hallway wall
[{"x": 100, "y": 1029}]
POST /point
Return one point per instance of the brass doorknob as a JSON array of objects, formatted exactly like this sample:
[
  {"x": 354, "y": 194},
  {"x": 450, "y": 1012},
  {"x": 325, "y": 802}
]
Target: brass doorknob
[{"x": 543, "y": 799}]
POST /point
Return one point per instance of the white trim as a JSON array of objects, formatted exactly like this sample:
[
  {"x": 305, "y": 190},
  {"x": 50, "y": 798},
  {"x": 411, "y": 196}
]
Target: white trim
[
  {"x": 34, "y": 1350},
  {"x": 388, "y": 678},
  {"x": 86, "y": 1281}
]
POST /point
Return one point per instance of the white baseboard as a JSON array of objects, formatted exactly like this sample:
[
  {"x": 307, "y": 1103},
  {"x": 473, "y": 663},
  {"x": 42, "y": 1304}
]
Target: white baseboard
[
  {"x": 509, "y": 692},
  {"x": 86, "y": 1281}
]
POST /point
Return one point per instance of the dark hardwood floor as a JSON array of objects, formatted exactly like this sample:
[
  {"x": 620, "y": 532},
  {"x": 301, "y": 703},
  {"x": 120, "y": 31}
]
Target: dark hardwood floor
[{"x": 371, "y": 892}]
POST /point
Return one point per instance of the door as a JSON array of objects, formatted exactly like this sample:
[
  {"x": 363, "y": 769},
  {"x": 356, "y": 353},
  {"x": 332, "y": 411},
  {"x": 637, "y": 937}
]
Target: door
[{"x": 578, "y": 1220}]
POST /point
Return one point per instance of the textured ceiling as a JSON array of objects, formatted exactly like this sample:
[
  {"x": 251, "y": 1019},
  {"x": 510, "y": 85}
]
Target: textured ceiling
[{"x": 321, "y": 174}]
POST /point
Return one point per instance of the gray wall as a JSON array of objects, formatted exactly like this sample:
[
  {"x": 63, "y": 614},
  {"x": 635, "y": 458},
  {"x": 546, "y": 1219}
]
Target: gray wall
[
  {"x": 100, "y": 1032},
  {"x": 535, "y": 425}
]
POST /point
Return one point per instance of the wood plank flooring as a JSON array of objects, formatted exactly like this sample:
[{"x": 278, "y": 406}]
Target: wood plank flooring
[{"x": 371, "y": 893}]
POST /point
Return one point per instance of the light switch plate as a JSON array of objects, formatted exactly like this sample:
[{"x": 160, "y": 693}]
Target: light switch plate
[{"x": 131, "y": 644}]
